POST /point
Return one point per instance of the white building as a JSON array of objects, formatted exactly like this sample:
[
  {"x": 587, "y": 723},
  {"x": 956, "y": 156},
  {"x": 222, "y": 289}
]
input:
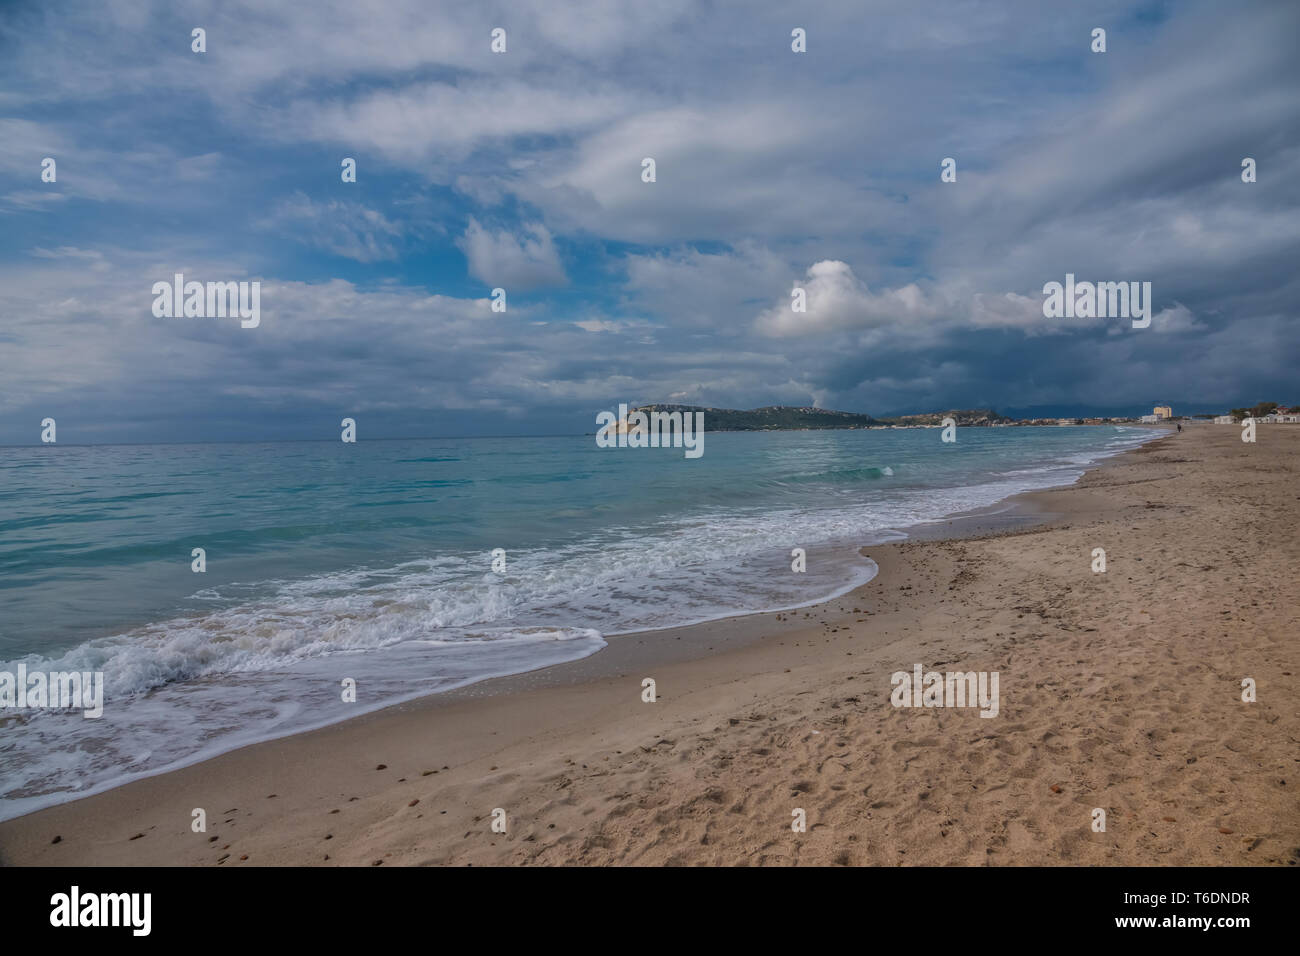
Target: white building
[
  {"x": 1224, "y": 420},
  {"x": 1149, "y": 419}
]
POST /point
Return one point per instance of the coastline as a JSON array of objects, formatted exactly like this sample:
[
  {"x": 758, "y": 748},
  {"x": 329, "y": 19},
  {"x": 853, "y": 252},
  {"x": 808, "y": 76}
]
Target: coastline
[{"x": 765, "y": 712}]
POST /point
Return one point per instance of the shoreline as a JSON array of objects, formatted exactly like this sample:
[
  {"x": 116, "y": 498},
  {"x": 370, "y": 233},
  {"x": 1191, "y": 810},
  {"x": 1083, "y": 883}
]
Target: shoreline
[
  {"x": 1013, "y": 510},
  {"x": 512, "y": 741},
  {"x": 1010, "y": 511}
]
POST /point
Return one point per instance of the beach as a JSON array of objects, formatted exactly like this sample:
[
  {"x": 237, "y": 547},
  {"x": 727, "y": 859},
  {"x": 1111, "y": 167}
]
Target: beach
[{"x": 1120, "y": 691}]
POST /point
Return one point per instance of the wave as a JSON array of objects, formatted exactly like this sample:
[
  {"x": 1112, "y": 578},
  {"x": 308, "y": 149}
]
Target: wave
[
  {"x": 268, "y": 657},
  {"x": 842, "y": 475}
]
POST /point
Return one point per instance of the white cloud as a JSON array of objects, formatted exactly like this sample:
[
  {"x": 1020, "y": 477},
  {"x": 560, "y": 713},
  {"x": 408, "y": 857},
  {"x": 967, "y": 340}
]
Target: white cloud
[
  {"x": 430, "y": 126},
  {"x": 502, "y": 259},
  {"x": 346, "y": 229},
  {"x": 837, "y": 299}
]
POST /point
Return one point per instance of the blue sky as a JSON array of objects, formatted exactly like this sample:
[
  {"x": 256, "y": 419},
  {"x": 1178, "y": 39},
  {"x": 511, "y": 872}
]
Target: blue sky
[{"x": 522, "y": 170}]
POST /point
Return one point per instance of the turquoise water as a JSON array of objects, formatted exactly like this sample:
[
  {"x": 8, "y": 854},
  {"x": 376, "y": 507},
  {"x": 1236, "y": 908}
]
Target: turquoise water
[{"x": 374, "y": 561}]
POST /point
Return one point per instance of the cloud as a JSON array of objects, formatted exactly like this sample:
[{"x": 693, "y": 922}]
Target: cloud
[
  {"x": 837, "y": 299},
  {"x": 523, "y": 170},
  {"x": 432, "y": 125},
  {"x": 346, "y": 229},
  {"x": 685, "y": 287},
  {"x": 503, "y": 259},
  {"x": 67, "y": 252},
  {"x": 31, "y": 199}
]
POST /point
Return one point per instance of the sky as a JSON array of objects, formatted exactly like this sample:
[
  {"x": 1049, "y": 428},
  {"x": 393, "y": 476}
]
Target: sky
[{"x": 522, "y": 170}]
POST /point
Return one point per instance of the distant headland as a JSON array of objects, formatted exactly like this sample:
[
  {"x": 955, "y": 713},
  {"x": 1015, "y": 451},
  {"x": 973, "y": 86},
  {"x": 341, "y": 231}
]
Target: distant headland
[{"x": 792, "y": 417}]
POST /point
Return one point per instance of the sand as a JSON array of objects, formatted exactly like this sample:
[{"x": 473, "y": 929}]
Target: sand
[{"x": 1119, "y": 690}]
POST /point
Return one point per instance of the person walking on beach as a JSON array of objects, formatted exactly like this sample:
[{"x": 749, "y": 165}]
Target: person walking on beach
[{"x": 1180, "y": 428}]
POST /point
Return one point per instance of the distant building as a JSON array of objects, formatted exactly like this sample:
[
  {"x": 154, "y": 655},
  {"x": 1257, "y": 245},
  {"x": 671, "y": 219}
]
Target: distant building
[
  {"x": 1163, "y": 411},
  {"x": 1150, "y": 419},
  {"x": 1224, "y": 420}
]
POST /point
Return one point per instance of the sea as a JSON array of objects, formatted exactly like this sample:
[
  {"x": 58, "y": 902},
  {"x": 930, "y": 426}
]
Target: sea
[{"x": 408, "y": 567}]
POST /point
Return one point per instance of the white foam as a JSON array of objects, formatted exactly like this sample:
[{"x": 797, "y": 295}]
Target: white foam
[{"x": 254, "y": 670}]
